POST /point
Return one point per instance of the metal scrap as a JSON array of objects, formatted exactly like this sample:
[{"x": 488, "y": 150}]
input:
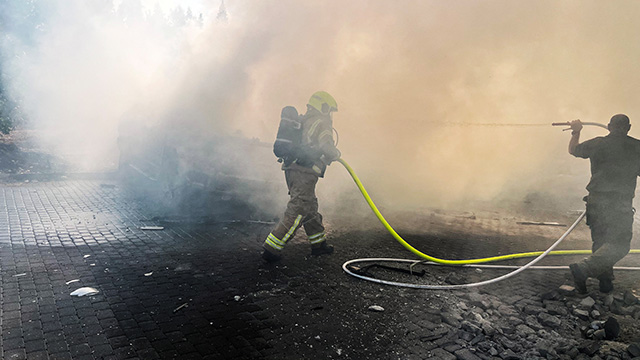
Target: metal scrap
[
  {"x": 151, "y": 227},
  {"x": 540, "y": 223},
  {"x": 180, "y": 307}
]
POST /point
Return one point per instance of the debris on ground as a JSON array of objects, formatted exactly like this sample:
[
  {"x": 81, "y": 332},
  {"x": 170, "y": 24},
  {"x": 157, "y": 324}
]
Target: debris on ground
[
  {"x": 602, "y": 330},
  {"x": 540, "y": 223},
  {"x": 376, "y": 308},
  {"x": 566, "y": 289},
  {"x": 84, "y": 291},
  {"x": 151, "y": 227},
  {"x": 180, "y": 307},
  {"x": 532, "y": 327}
]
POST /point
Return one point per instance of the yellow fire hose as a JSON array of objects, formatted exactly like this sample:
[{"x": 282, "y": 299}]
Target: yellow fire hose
[
  {"x": 453, "y": 262},
  {"x": 347, "y": 266}
]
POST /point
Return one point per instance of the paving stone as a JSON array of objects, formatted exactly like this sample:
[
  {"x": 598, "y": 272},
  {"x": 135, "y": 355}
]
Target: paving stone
[
  {"x": 451, "y": 319},
  {"x": 634, "y": 349},
  {"x": 451, "y": 348},
  {"x": 149, "y": 354},
  {"x": 533, "y": 310},
  {"x": 629, "y": 298},
  {"x": 439, "y": 353},
  {"x": 34, "y": 346},
  {"x": 587, "y": 302},
  {"x": 466, "y": 354},
  {"x": 589, "y": 348},
  {"x": 12, "y": 343},
  {"x": 79, "y": 350},
  {"x": 57, "y": 347},
  {"x": 554, "y": 309},
  {"x": 102, "y": 350},
  {"x": 581, "y": 314},
  {"x": 509, "y": 355},
  {"x": 38, "y": 355},
  {"x": 15, "y": 354},
  {"x": 136, "y": 312},
  {"x": 434, "y": 334},
  {"x": 524, "y": 330}
]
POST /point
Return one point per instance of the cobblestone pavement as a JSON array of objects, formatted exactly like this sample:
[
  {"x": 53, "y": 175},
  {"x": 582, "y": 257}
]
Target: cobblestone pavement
[{"x": 202, "y": 292}]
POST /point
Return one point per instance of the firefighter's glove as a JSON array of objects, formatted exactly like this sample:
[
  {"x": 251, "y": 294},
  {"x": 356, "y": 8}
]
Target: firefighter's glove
[
  {"x": 334, "y": 156},
  {"x": 327, "y": 159}
]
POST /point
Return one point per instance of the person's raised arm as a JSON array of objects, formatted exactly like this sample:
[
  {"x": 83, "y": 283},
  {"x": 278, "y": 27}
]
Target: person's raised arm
[{"x": 576, "y": 127}]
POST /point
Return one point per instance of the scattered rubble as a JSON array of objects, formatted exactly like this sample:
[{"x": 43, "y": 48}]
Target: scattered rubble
[{"x": 484, "y": 326}]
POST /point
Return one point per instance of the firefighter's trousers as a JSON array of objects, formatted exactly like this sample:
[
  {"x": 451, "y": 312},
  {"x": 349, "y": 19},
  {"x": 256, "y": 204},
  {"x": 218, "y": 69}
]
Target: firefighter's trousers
[
  {"x": 611, "y": 222},
  {"x": 302, "y": 210}
]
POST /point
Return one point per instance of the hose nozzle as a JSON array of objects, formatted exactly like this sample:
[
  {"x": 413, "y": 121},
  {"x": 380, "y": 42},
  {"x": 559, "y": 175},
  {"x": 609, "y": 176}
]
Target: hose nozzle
[{"x": 568, "y": 123}]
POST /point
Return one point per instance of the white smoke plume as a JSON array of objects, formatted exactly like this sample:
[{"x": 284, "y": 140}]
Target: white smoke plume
[{"x": 411, "y": 79}]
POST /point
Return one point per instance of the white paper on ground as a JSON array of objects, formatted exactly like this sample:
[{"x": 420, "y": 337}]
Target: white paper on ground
[{"x": 84, "y": 291}]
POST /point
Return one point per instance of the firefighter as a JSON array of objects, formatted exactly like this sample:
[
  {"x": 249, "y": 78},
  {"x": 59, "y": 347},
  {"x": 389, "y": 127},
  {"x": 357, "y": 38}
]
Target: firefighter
[
  {"x": 615, "y": 165},
  {"x": 301, "y": 172}
]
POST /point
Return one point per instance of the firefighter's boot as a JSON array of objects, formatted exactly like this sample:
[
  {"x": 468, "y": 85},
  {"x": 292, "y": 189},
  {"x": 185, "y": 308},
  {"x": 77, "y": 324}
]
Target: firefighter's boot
[
  {"x": 270, "y": 257},
  {"x": 322, "y": 249},
  {"x": 579, "y": 278},
  {"x": 606, "y": 281}
]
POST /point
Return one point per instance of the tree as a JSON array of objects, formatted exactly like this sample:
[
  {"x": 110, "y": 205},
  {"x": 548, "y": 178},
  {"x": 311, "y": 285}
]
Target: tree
[
  {"x": 222, "y": 13},
  {"x": 178, "y": 17},
  {"x": 130, "y": 11}
]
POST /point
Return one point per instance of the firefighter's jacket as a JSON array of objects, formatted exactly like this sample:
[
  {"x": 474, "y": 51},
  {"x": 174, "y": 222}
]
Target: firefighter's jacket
[{"x": 318, "y": 147}]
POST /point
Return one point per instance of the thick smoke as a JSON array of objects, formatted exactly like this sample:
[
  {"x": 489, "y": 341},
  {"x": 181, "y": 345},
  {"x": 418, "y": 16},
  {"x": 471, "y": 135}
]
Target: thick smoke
[{"x": 413, "y": 80}]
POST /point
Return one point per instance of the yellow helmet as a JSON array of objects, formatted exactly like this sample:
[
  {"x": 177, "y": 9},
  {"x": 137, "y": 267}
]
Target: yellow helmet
[{"x": 323, "y": 102}]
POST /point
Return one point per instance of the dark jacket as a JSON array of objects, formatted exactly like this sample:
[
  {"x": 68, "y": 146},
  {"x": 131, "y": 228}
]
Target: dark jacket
[{"x": 318, "y": 147}]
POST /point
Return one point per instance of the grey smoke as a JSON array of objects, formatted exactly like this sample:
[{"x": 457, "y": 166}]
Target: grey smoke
[{"x": 403, "y": 73}]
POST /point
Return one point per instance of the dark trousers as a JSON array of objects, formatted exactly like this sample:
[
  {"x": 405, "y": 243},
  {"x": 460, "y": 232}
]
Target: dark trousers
[
  {"x": 302, "y": 210},
  {"x": 610, "y": 219}
]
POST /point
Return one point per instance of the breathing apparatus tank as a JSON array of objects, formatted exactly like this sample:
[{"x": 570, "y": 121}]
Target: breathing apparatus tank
[{"x": 289, "y": 137}]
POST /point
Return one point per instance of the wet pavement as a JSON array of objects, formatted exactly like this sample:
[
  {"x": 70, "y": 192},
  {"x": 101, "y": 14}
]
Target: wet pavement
[{"x": 201, "y": 291}]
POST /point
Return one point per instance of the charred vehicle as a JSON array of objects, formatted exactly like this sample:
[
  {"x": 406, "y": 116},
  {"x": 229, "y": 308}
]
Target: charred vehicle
[{"x": 201, "y": 178}]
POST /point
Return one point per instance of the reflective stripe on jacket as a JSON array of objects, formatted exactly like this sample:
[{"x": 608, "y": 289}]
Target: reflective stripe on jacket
[{"x": 317, "y": 141}]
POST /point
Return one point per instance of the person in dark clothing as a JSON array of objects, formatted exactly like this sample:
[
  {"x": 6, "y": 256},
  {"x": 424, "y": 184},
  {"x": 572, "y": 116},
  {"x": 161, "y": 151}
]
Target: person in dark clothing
[{"x": 615, "y": 166}]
